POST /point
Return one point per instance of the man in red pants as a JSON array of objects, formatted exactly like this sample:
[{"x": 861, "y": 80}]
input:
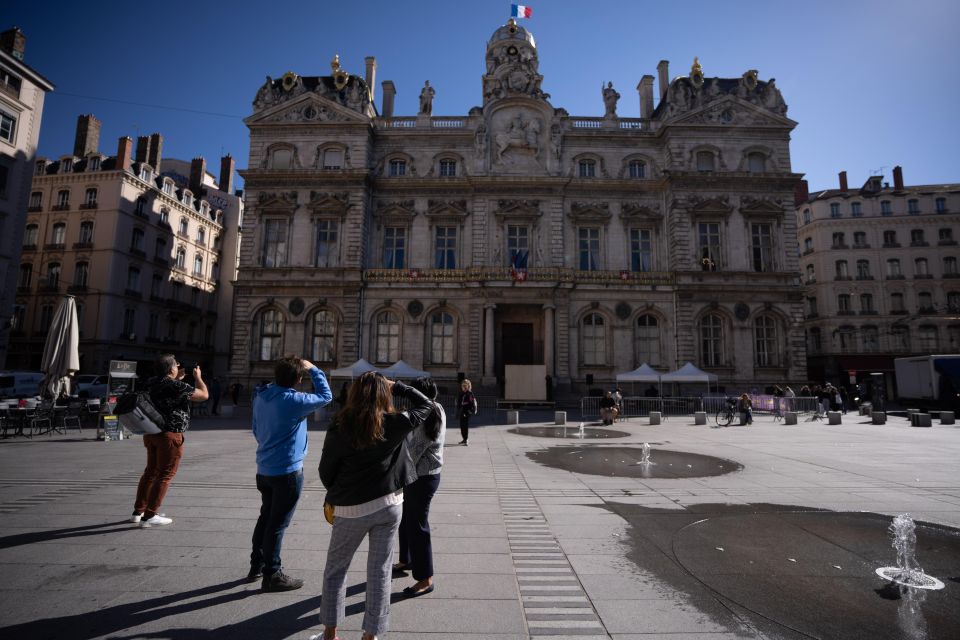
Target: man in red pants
[{"x": 172, "y": 397}]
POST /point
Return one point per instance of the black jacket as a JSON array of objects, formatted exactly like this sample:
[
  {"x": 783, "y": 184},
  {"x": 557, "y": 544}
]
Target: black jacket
[{"x": 354, "y": 476}]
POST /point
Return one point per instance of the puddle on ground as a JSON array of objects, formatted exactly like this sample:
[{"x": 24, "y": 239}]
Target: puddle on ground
[
  {"x": 624, "y": 462},
  {"x": 793, "y": 572},
  {"x": 589, "y": 433}
]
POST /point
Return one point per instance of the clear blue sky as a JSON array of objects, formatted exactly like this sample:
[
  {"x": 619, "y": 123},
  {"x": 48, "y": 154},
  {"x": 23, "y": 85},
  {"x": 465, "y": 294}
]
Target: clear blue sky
[{"x": 872, "y": 84}]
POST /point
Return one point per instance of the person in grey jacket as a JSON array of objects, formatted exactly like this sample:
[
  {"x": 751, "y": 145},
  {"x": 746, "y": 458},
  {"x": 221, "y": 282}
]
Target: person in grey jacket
[{"x": 425, "y": 445}]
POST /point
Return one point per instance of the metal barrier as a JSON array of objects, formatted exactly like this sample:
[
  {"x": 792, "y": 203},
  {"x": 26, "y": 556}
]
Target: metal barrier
[{"x": 637, "y": 407}]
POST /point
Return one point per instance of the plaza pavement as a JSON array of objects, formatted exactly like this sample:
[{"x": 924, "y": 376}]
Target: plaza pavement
[{"x": 521, "y": 550}]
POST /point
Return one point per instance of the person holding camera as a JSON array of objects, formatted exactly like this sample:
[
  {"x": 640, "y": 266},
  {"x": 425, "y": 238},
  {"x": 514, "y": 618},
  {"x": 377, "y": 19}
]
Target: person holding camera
[{"x": 172, "y": 397}]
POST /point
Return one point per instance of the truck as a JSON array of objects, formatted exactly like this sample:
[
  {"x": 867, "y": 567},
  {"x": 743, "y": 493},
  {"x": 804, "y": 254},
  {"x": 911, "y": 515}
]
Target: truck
[{"x": 928, "y": 381}]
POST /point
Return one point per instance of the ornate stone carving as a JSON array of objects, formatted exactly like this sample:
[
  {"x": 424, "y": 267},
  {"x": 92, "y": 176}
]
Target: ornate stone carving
[
  {"x": 395, "y": 209},
  {"x": 688, "y": 94},
  {"x": 447, "y": 208},
  {"x": 518, "y": 209},
  {"x": 267, "y": 95},
  {"x": 633, "y": 210},
  {"x": 519, "y": 135},
  {"x": 590, "y": 211},
  {"x": 285, "y": 198},
  {"x": 326, "y": 201}
]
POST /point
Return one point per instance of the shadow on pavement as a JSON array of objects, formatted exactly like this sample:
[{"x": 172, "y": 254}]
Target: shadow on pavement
[{"x": 64, "y": 534}]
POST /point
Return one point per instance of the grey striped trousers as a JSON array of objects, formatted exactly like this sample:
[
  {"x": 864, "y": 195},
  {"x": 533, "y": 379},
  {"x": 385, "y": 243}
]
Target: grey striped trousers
[{"x": 347, "y": 535}]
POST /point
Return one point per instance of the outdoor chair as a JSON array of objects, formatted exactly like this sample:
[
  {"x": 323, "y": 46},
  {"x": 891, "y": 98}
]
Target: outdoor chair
[
  {"x": 42, "y": 416},
  {"x": 70, "y": 417}
]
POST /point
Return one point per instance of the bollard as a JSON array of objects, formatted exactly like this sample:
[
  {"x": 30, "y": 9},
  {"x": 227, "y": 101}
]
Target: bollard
[
  {"x": 920, "y": 420},
  {"x": 790, "y": 417},
  {"x": 655, "y": 417},
  {"x": 947, "y": 417},
  {"x": 513, "y": 417},
  {"x": 699, "y": 417},
  {"x": 833, "y": 417},
  {"x": 879, "y": 417},
  {"x": 560, "y": 417}
]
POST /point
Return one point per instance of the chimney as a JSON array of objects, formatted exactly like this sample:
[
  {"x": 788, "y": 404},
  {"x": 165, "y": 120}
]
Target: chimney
[
  {"x": 663, "y": 77},
  {"x": 371, "y": 76},
  {"x": 801, "y": 193},
  {"x": 198, "y": 168},
  {"x": 124, "y": 147},
  {"x": 226, "y": 173},
  {"x": 389, "y": 93},
  {"x": 143, "y": 149},
  {"x": 87, "y": 139},
  {"x": 898, "y": 178},
  {"x": 14, "y": 42},
  {"x": 646, "y": 96},
  {"x": 156, "y": 151},
  {"x": 843, "y": 181}
]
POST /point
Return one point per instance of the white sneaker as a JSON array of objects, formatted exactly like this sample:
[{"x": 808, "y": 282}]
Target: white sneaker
[
  {"x": 155, "y": 521},
  {"x": 136, "y": 517}
]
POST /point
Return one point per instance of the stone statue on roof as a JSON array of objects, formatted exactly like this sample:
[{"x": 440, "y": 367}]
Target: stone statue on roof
[
  {"x": 610, "y": 97},
  {"x": 426, "y": 99}
]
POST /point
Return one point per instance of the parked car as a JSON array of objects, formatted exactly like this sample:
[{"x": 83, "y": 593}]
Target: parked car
[
  {"x": 20, "y": 384},
  {"x": 91, "y": 386}
]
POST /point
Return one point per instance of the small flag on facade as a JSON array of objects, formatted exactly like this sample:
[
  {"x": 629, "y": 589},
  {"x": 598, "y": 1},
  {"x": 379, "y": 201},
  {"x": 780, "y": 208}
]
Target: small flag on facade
[{"x": 520, "y": 11}]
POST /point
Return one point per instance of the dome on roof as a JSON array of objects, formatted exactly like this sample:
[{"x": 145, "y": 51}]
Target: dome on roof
[{"x": 512, "y": 31}]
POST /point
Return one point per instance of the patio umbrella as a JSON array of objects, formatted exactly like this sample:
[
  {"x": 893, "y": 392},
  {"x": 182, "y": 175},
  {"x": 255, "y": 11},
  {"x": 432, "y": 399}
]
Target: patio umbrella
[{"x": 61, "y": 356}]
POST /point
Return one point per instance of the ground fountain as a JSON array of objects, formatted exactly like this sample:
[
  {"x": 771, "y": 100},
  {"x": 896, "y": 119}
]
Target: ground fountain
[{"x": 907, "y": 573}]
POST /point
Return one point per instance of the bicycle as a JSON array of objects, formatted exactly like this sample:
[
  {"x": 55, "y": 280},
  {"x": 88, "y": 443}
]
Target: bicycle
[{"x": 726, "y": 414}]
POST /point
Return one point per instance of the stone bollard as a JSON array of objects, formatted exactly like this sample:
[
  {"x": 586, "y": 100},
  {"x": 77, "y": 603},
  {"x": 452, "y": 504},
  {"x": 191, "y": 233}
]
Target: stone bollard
[
  {"x": 699, "y": 417},
  {"x": 655, "y": 417},
  {"x": 790, "y": 417},
  {"x": 921, "y": 420},
  {"x": 833, "y": 417},
  {"x": 879, "y": 417},
  {"x": 560, "y": 418},
  {"x": 513, "y": 417},
  {"x": 947, "y": 417}
]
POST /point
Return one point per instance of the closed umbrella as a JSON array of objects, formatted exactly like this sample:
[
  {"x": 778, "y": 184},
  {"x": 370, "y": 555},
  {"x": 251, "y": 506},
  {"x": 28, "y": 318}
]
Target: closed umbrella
[{"x": 61, "y": 356}]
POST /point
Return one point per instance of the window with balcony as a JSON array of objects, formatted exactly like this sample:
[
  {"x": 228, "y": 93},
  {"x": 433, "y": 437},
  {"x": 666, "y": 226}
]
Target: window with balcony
[
  {"x": 841, "y": 270},
  {"x": 896, "y": 303},
  {"x": 945, "y": 235},
  {"x": 327, "y": 246},
  {"x": 441, "y": 338},
  {"x": 133, "y": 279},
  {"x": 184, "y": 228},
  {"x": 165, "y": 216},
  {"x": 917, "y": 238},
  {"x": 834, "y": 209},
  {"x": 927, "y": 339},
  {"x": 156, "y": 289},
  {"x": 86, "y": 232},
  {"x": 859, "y": 239},
  {"x": 866, "y": 303},
  {"x": 899, "y": 338},
  {"x": 394, "y": 248},
  {"x": 925, "y": 301},
  {"x": 26, "y": 274},
  {"x": 129, "y": 323},
  {"x": 941, "y": 205},
  {"x": 637, "y": 169},
  {"x": 274, "y": 247},
  {"x": 949, "y": 266},
  {"x": 36, "y": 201},
  {"x": 647, "y": 340},
  {"x": 588, "y": 248},
  {"x": 136, "y": 241},
  {"x": 53, "y": 275},
  {"x": 839, "y": 240},
  {"x": 397, "y": 168},
  {"x": 762, "y": 246},
  {"x": 198, "y": 266},
  {"x": 886, "y": 209},
  {"x": 913, "y": 206},
  {"x": 641, "y": 250},
  {"x": 594, "y": 340},
  {"x": 863, "y": 270},
  {"x": 518, "y": 244},
  {"x": 893, "y": 269},
  {"x": 709, "y": 237},
  {"x": 921, "y": 268},
  {"x": 711, "y": 340},
  {"x": 63, "y": 200},
  {"x": 202, "y": 236},
  {"x": 843, "y": 304},
  {"x": 871, "y": 338},
  {"x": 890, "y": 238},
  {"x": 59, "y": 236},
  {"x": 856, "y": 209},
  {"x": 847, "y": 339},
  {"x": 587, "y": 169},
  {"x": 90, "y": 199},
  {"x": 181, "y": 258},
  {"x": 953, "y": 302},
  {"x": 445, "y": 248},
  {"x": 387, "y": 345},
  {"x": 30, "y": 235}
]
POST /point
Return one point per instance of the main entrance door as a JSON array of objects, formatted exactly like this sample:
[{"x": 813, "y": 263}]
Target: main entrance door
[{"x": 518, "y": 345}]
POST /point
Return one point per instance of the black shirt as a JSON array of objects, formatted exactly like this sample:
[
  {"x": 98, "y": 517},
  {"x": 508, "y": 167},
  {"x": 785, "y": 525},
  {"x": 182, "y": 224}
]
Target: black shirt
[{"x": 172, "y": 399}]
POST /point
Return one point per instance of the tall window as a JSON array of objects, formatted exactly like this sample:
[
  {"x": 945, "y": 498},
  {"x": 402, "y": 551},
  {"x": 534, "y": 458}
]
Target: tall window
[
  {"x": 705, "y": 161},
  {"x": 36, "y": 200},
  {"x": 709, "y": 246},
  {"x": 917, "y": 238},
  {"x": 8, "y": 127},
  {"x": 843, "y": 303},
  {"x": 156, "y": 288},
  {"x": 441, "y": 338},
  {"x": 913, "y": 206},
  {"x": 589, "y": 248},
  {"x": 953, "y": 301},
  {"x": 59, "y": 236},
  {"x": 327, "y": 246},
  {"x": 181, "y": 257},
  {"x": 807, "y": 245},
  {"x": 129, "y": 322},
  {"x": 762, "y": 247},
  {"x": 445, "y": 248},
  {"x": 756, "y": 162},
  {"x": 950, "y": 266},
  {"x": 896, "y": 303},
  {"x": 885, "y": 208},
  {"x": 921, "y": 267},
  {"x": 270, "y": 335},
  {"x": 842, "y": 272},
  {"x": 834, "y": 209},
  {"x": 274, "y": 243},
  {"x": 30, "y": 235},
  {"x": 871, "y": 338},
  {"x": 856, "y": 209},
  {"x": 398, "y": 168},
  {"x": 637, "y": 169},
  {"x": 388, "y": 337},
  {"x": 812, "y": 306},
  {"x": 86, "y": 232},
  {"x": 847, "y": 337},
  {"x": 184, "y": 227},
  {"x": 866, "y": 303},
  {"x": 165, "y": 216},
  {"x": 53, "y": 275},
  {"x": 889, "y": 238},
  {"x": 448, "y": 168},
  {"x": 839, "y": 240},
  {"x": 153, "y": 326},
  {"x": 765, "y": 342},
  {"x": 594, "y": 340},
  {"x": 333, "y": 159},
  {"x": 133, "y": 279},
  {"x": 941, "y": 205},
  {"x": 811, "y": 273},
  {"x": 927, "y": 337},
  {"x": 518, "y": 242},
  {"x": 641, "y": 250},
  {"x": 26, "y": 274},
  {"x": 648, "y": 340},
  {"x": 198, "y": 266},
  {"x": 814, "y": 340},
  {"x": 900, "y": 338},
  {"x": 711, "y": 340},
  {"x": 863, "y": 269},
  {"x": 160, "y": 249},
  {"x": 81, "y": 273},
  {"x": 925, "y": 301},
  {"x": 46, "y": 317},
  {"x": 945, "y": 235},
  {"x": 90, "y": 198},
  {"x": 807, "y": 218},
  {"x": 859, "y": 238},
  {"x": 202, "y": 236},
  {"x": 587, "y": 168},
  {"x": 136, "y": 240},
  {"x": 323, "y": 337},
  {"x": 394, "y": 249}
]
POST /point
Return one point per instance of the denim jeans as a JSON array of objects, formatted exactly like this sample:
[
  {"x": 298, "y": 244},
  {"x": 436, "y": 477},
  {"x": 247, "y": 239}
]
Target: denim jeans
[
  {"x": 416, "y": 547},
  {"x": 279, "y": 496}
]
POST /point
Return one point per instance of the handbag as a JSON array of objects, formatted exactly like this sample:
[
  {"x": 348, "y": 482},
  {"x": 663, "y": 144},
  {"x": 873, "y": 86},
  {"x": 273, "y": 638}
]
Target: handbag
[
  {"x": 328, "y": 512},
  {"x": 137, "y": 413}
]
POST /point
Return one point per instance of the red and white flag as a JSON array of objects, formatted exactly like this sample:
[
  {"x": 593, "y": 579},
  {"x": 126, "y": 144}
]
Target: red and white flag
[{"x": 520, "y": 11}]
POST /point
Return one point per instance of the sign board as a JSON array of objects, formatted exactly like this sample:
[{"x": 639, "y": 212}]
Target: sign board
[
  {"x": 123, "y": 366},
  {"x": 111, "y": 428},
  {"x": 123, "y": 375},
  {"x": 853, "y": 376}
]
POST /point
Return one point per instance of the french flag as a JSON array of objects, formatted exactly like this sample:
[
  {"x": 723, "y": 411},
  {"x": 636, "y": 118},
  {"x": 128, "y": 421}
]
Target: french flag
[{"x": 520, "y": 11}]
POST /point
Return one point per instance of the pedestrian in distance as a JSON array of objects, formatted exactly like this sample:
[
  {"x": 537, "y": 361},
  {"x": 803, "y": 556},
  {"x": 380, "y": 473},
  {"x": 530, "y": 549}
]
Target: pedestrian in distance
[
  {"x": 280, "y": 428},
  {"x": 215, "y": 392},
  {"x": 425, "y": 445},
  {"x": 364, "y": 467},
  {"x": 466, "y": 407},
  {"x": 172, "y": 398},
  {"x": 608, "y": 408},
  {"x": 746, "y": 408}
]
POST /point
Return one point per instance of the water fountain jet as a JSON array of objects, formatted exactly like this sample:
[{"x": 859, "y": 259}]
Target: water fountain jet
[{"x": 907, "y": 572}]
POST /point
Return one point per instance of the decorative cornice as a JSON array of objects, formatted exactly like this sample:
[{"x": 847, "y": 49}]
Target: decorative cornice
[
  {"x": 447, "y": 209},
  {"x": 518, "y": 209},
  {"x": 590, "y": 212}
]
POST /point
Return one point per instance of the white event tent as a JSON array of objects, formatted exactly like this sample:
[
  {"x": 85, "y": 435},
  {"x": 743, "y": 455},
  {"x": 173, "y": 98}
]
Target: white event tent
[
  {"x": 689, "y": 374},
  {"x": 404, "y": 371},
  {"x": 355, "y": 370}
]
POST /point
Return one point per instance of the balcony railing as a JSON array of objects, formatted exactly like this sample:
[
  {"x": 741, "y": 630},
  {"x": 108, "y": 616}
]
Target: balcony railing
[
  {"x": 505, "y": 274},
  {"x": 28, "y": 247},
  {"x": 89, "y": 205},
  {"x": 83, "y": 245},
  {"x": 923, "y": 276},
  {"x": 865, "y": 277},
  {"x": 140, "y": 253},
  {"x": 60, "y": 207},
  {"x": 34, "y": 209},
  {"x": 891, "y": 245},
  {"x": 896, "y": 276},
  {"x": 54, "y": 246},
  {"x": 920, "y": 243}
]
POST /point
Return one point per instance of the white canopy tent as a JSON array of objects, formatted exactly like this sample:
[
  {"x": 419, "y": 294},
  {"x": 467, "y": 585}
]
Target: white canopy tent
[
  {"x": 643, "y": 373},
  {"x": 355, "y": 370},
  {"x": 689, "y": 374},
  {"x": 404, "y": 371}
]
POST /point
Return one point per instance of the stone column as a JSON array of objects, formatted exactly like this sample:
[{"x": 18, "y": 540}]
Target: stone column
[
  {"x": 488, "y": 346},
  {"x": 548, "y": 321}
]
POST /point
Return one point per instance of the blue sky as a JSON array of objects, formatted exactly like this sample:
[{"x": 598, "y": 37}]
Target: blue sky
[{"x": 872, "y": 84}]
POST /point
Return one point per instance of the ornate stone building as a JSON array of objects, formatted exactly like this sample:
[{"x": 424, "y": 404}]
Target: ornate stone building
[
  {"x": 519, "y": 234},
  {"x": 881, "y": 277}
]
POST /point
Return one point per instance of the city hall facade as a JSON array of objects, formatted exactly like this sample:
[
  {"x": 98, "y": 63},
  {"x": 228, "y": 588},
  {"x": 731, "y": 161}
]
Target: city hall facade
[{"x": 521, "y": 234}]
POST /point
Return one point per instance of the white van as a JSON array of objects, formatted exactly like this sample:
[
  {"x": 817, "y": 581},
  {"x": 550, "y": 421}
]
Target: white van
[{"x": 20, "y": 384}]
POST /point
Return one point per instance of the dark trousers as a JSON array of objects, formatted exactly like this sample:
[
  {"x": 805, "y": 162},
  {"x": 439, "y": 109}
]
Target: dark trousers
[
  {"x": 164, "y": 451},
  {"x": 416, "y": 549},
  {"x": 278, "y": 500},
  {"x": 464, "y": 426}
]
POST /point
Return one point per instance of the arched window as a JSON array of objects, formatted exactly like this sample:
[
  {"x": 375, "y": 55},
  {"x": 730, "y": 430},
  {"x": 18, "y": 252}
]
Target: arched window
[
  {"x": 59, "y": 237},
  {"x": 387, "y": 348},
  {"x": 90, "y": 198},
  {"x": 587, "y": 168},
  {"x": 269, "y": 335},
  {"x": 756, "y": 162},
  {"x": 30, "y": 235},
  {"x": 705, "y": 161},
  {"x": 766, "y": 342},
  {"x": 323, "y": 336},
  {"x": 397, "y": 167},
  {"x": 181, "y": 257},
  {"x": 333, "y": 159},
  {"x": 198, "y": 266},
  {"x": 53, "y": 275},
  {"x": 26, "y": 274},
  {"x": 637, "y": 169},
  {"x": 594, "y": 340},
  {"x": 63, "y": 200},
  {"x": 80, "y": 274},
  {"x": 441, "y": 338},
  {"x": 711, "y": 341},
  {"x": 648, "y": 340},
  {"x": 281, "y": 159}
]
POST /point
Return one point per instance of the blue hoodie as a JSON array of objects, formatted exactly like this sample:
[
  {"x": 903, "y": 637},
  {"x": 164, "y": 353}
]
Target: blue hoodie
[{"x": 280, "y": 424}]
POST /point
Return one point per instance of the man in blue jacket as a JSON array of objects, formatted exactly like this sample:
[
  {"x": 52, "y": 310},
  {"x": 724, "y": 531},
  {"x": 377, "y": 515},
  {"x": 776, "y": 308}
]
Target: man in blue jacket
[{"x": 280, "y": 427}]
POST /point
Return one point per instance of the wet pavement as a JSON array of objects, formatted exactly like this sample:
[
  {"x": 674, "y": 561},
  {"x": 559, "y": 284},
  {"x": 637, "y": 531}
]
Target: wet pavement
[
  {"x": 571, "y": 432},
  {"x": 625, "y": 462}
]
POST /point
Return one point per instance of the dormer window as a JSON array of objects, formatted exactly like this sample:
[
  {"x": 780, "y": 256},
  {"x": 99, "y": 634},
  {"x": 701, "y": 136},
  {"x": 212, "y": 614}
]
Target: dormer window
[
  {"x": 186, "y": 198},
  {"x": 146, "y": 174},
  {"x": 66, "y": 165},
  {"x": 168, "y": 187},
  {"x": 93, "y": 164},
  {"x": 333, "y": 159},
  {"x": 448, "y": 168},
  {"x": 204, "y": 208},
  {"x": 41, "y": 168},
  {"x": 587, "y": 168}
]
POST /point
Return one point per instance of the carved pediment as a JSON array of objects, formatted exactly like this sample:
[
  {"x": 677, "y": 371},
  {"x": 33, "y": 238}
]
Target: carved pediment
[
  {"x": 750, "y": 206},
  {"x": 731, "y": 111},
  {"x": 307, "y": 108},
  {"x": 518, "y": 209},
  {"x": 277, "y": 200},
  {"x": 638, "y": 211},
  {"x": 447, "y": 209},
  {"x": 717, "y": 205},
  {"x": 398, "y": 210},
  {"x": 328, "y": 202},
  {"x": 590, "y": 212}
]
